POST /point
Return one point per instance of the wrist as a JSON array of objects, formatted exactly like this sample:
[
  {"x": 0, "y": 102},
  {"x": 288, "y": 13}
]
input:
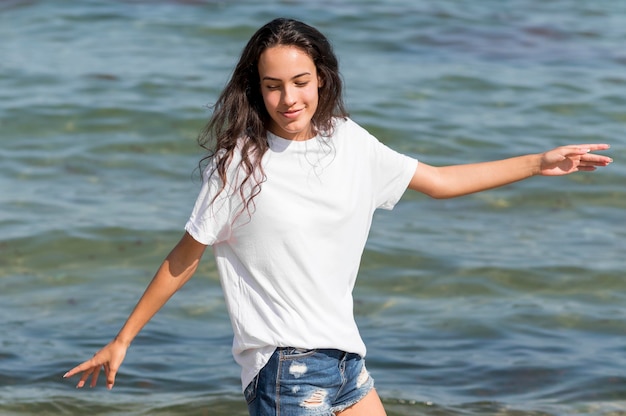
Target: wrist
[
  {"x": 124, "y": 341},
  {"x": 536, "y": 164}
]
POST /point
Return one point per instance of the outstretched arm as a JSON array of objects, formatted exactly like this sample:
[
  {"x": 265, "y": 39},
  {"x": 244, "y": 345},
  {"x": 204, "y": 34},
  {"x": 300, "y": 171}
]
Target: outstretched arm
[
  {"x": 176, "y": 270},
  {"x": 457, "y": 180}
]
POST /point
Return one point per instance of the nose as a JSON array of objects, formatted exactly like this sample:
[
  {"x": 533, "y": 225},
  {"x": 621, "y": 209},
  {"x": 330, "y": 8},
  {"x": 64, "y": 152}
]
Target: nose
[{"x": 289, "y": 96}]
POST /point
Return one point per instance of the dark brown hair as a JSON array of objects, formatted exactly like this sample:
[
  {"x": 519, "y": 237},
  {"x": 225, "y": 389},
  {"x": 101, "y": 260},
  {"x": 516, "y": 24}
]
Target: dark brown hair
[{"x": 240, "y": 119}]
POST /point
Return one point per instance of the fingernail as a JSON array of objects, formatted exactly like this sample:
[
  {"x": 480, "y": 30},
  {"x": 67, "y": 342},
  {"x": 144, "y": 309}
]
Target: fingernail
[{"x": 65, "y": 375}]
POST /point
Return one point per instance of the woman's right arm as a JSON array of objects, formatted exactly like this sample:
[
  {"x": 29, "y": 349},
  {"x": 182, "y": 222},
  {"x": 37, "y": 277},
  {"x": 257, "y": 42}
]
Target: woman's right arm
[{"x": 177, "y": 268}]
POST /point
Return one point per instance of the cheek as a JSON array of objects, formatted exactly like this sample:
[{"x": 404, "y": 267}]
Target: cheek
[
  {"x": 269, "y": 100},
  {"x": 312, "y": 96}
]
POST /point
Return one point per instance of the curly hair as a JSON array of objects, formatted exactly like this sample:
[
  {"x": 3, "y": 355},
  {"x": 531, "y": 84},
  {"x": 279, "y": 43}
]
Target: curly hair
[{"x": 240, "y": 119}]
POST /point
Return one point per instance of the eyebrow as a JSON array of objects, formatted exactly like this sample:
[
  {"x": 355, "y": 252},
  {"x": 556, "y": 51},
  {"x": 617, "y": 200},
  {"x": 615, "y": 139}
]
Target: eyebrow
[{"x": 294, "y": 77}]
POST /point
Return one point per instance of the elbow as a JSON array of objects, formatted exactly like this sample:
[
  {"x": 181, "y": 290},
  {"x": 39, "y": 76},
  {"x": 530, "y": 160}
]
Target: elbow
[
  {"x": 431, "y": 182},
  {"x": 440, "y": 194},
  {"x": 446, "y": 193},
  {"x": 181, "y": 270},
  {"x": 433, "y": 192}
]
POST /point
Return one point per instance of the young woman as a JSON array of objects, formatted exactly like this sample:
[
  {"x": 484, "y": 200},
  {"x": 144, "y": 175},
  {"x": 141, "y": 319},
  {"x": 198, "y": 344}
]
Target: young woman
[{"x": 289, "y": 191}]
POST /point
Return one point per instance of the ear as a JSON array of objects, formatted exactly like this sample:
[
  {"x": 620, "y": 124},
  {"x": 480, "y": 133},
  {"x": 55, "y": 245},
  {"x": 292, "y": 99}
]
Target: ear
[{"x": 320, "y": 81}]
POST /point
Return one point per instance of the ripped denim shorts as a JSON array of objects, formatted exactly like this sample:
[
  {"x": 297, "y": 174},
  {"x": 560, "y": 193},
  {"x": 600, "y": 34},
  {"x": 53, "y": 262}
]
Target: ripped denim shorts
[{"x": 298, "y": 382}]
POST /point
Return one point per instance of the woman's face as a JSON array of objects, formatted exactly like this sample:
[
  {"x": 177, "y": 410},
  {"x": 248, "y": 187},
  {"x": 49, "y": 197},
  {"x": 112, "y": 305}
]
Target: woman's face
[{"x": 289, "y": 85}]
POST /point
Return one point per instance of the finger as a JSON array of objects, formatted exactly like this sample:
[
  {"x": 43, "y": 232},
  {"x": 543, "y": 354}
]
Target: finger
[
  {"x": 592, "y": 146},
  {"x": 94, "y": 377},
  {"x": 111, "y": 373},
  {"x": 585, "y": 158},
  {"x": 107, "y": 371},
  {"x": 78, "y": 369},
  {"x": 83, "y": 379},
  {"x": 573, "y": 151},
  {"x": 87, "y": 365},
  {"x": 596, "y": 159}
]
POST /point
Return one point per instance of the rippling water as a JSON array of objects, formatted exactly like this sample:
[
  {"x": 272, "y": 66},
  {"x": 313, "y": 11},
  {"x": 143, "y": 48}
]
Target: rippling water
[{"x": 509, "y": 302}]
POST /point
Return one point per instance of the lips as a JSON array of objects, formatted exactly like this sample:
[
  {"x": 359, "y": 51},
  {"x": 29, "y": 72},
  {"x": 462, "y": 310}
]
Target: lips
[{"x": 291, "y": 113}]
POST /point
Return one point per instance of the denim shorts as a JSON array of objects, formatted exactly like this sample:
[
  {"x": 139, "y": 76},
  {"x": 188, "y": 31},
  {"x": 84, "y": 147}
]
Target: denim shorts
[{"x": 298, "y": 382}]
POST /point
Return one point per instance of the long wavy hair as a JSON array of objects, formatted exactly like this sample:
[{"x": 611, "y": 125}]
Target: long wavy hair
[{"x": 239, "y": 121}]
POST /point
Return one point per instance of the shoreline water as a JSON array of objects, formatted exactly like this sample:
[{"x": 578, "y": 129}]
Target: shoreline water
[{"x": 508, "y": 302}]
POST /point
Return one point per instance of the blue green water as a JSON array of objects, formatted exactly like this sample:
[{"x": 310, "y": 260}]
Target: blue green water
[{"x": 510, "y": 302}]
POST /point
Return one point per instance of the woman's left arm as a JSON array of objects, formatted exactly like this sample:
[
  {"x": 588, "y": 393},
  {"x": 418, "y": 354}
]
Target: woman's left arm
[{"x": 457, "y": 180}]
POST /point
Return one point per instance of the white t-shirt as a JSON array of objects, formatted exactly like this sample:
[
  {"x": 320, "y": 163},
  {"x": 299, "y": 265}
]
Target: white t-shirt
[{"x": 288, "y": 269}]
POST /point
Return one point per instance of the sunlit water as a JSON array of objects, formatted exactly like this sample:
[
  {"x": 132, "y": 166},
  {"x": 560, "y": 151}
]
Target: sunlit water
[{"x": 509, "y": 302}]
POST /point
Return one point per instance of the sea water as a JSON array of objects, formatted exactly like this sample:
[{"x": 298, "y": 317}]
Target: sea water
[{"x": 508, "y": 302}]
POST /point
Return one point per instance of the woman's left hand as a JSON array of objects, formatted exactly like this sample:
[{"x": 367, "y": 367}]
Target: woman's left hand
[{"x": 568, "y": 159}]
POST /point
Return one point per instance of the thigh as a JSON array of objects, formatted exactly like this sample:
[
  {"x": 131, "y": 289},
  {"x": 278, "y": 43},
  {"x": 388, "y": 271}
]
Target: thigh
[
  {"x": 370, "y": 405},
  {"x": 357, "y": 384}
]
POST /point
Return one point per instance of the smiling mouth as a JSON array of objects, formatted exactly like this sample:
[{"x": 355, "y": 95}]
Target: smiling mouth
[{"x": 291, "y": 113}]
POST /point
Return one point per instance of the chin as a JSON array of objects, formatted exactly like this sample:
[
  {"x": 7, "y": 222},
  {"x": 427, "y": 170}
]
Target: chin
[{"x": 291, "y": 132}]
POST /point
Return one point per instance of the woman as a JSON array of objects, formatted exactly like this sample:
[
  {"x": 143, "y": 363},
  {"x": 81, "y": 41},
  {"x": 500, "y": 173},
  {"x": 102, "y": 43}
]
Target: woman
[{"x": 289, "y": 192}]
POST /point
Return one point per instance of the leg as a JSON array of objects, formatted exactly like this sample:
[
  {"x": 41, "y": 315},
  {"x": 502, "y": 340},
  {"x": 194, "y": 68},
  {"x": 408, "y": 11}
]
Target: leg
[{"x": 370, "y": 405}]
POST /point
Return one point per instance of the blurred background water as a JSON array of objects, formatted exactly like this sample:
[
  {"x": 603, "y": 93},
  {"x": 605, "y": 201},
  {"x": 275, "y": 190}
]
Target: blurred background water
[{"x": 509, "y": 302}]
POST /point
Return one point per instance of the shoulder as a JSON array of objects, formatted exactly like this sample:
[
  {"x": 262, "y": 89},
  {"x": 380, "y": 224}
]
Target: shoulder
[
  {"x": 350, "y": 133},
  {"x": 346, "y": 127},
  {"x": 230, "y": 160},
  {"x": 341, "y": 124}
]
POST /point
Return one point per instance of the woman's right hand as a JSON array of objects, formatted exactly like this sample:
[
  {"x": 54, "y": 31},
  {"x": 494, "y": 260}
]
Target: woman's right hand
[
  {"x": 175, "y": 271},
  {"x": 110, "y": 358}
]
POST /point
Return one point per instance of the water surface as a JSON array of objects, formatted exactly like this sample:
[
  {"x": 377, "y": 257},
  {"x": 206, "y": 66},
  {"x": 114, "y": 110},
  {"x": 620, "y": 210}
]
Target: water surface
[{"x": 510, "y": 302}]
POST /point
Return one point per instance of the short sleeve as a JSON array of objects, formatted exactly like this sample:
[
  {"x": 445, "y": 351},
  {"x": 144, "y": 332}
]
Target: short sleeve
[
  {"x": 211, "y": 218},
  {"x": 392, "y": 174}
]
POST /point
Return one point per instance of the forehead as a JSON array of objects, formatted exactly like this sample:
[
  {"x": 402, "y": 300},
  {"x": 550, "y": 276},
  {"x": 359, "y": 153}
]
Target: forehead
[{"x": 285, "y": 62}]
